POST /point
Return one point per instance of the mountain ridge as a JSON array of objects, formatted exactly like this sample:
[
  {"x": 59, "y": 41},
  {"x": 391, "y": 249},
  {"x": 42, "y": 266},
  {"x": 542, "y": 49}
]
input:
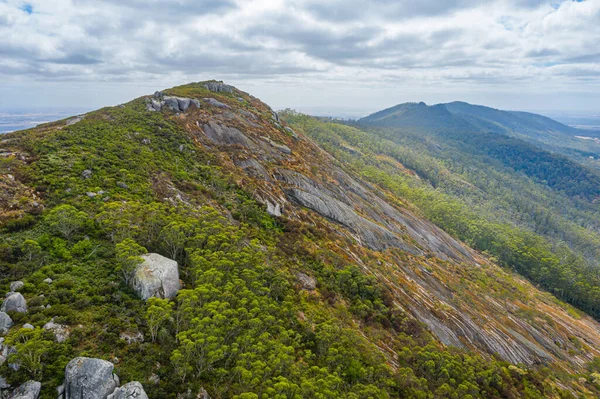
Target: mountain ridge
[{"x": 253, "y": 207}]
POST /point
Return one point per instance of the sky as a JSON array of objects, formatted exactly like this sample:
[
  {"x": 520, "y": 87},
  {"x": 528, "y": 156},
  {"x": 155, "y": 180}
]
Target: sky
[{"x": 338, "y": 57}]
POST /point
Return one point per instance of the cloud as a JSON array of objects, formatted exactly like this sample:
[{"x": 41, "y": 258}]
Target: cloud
[{"x": 540, "y": 45}]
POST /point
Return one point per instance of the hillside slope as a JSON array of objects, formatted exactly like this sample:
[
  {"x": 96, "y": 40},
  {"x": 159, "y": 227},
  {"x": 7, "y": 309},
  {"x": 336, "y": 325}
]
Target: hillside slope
[{"x": 301, "y": 278}]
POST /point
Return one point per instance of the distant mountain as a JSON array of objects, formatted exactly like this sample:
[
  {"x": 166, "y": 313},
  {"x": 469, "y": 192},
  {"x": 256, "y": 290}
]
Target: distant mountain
[
  {"x": 465, "y": 116},
  {"x": 468, "y": 118}
]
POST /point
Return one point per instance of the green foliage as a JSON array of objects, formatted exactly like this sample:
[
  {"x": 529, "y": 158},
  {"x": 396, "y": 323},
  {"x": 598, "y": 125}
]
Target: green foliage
[
  {"x": 128, "y": 258},
  {"x": 158, "y": 311},
  {"x": 66, "y": 220},
  {"x": 32, "y": 347}
]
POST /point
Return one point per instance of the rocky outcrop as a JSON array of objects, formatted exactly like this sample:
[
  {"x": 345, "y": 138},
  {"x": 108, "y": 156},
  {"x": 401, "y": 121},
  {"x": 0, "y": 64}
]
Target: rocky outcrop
[
  {"x": 221, "y": 134},
  {"x": 273, "y": 209},
  {"x": 281, "y": 147},
  {"x": 253, "y": 168},
  {"x": 292, "y": 132},
  {"x": 29, "y": 390},
  {"x": 16, "y": 286},
  {"x": 14, "y": 302},
  {"x": 131, "y": 337},
  {"x": 131, "y": 390},
  {"x": 215, "y": 103},
  {"x": 74, "y": 120},
  {"x": 307, "y": 282},
  {"x": 156, "y": 276},
  {"x": 176, "y": 104},
  {"x": 5, "y": 323},
  {"x": 89, "y": 378},
  {"x": 369, "y": 233},
  {"x": 60, "y": 331},
  {"x": 218, "y": 87}
]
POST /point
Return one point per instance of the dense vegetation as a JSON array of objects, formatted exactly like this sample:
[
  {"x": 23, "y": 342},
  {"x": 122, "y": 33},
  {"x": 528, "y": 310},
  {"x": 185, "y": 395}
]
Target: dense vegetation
[
  {"x": 242, "y": 327},
  {"x": 482, "y": 201}
]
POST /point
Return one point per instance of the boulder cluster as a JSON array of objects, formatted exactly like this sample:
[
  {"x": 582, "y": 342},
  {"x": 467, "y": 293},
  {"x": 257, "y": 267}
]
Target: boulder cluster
[
  {"x": 85, "y": 378},
  {"x": 177, "y": 104}
]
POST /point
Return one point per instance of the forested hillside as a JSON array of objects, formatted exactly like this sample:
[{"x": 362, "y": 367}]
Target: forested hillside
[{"x": 308, "y": 255}]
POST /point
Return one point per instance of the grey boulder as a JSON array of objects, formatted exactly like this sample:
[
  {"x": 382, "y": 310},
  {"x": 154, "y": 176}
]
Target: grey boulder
[
  {"x": 14, "y": 302},
  {"x": 29, "y": 390},
  {"x": 216, "y": 103},
  {"x": 306, "y": 282},
  {"x": 131, "y": 390},
  {"x": 16, "y": 286},
  {"x": 273, "y": 209},
  {"x": 221, "y": 134},
  {"x": 218, "y": 87},
  {"x": 5, "y": 322},
  {"x": 89, "y": 378},
  {"x": 172, "y": 103},
  {"x": 60, "y": 331},
  {"x": 156, "y": 276}
]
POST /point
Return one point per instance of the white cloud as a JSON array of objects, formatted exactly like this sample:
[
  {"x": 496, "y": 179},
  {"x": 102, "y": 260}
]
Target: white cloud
[{"x": 440, "y": 50}]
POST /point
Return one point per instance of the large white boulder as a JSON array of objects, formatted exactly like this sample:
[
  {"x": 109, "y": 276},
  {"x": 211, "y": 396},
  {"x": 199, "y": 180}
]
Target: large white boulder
[
  {"x": 156, "y": 276},
  {"x": 89, "y": 378}
]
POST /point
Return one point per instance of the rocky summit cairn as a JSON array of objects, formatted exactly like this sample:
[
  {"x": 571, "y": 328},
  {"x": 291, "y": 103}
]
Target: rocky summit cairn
[
  {"x": 14, "y": 302},
  {"x": 88, "y": 378},
  {"x": 29, "y": 390},
  {"x": 131, "y": 390},
  {"x": 156, "y": 276},
  {"x": 5, "y": 323}
]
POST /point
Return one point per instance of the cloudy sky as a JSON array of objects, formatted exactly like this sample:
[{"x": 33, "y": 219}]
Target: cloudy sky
[{"x": 334, "y": 56}]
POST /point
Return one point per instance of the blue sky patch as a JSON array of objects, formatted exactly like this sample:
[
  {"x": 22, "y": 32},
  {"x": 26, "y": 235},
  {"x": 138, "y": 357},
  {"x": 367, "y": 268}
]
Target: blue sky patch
[{"x": 28, "y": 8}]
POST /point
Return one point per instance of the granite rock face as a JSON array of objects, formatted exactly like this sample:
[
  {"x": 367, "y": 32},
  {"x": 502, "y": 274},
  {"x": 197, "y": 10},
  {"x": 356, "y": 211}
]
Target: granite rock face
[
  {"x": 89, "y": 378},
  {"x": 221, "y": 134},
  {"x": 273, "y": 209},
  {"x": 29, "y": 390},
  {"x": 216, "y": 103},
  {"x": 14, "y": 302},
  {"x": 160, "y": 102},
  {"x": 156, "y": 276},
  {"x": 131, "y": 390},
  {"x": 5, "y": 322},
  {"x": 218, "y": 87}
]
